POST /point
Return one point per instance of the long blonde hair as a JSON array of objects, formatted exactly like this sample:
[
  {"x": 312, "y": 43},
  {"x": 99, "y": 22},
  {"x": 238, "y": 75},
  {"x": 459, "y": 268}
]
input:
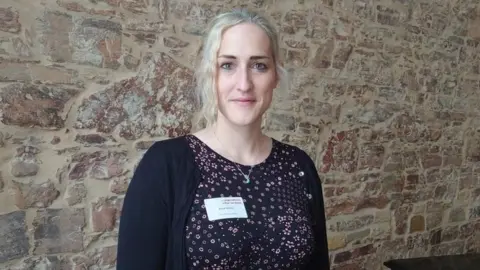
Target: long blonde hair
[{"x": 206, "y": 70}]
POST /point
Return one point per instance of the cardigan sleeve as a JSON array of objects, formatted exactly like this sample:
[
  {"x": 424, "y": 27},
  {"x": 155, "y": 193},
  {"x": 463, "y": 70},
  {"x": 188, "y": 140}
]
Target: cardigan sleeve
[
  {"x": 143, "y": 228},
  {"x": 321, "y": 259}
]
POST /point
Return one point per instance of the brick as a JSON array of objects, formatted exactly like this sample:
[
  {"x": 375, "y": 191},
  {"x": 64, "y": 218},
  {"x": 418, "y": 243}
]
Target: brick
[
  {"x": 14, "y": 243},
  {"x": 90, "y": 139},
  {"x": 147, "y": 26},
  {"x": 352, "y": 224},
  {"x": 392, "y": 183},
  {"x": 374, "y": 37},
  {"x": 357, "y": 238},
  {"x": 29, "y": 105},
  {"x": 430, "y": 156},
  {"x": 323, "y": 55},
  {"x": 473, "y": 146},
  {"x": 393, "y": 17},
  {"x": 58, "y": 231},
  {"x": 336, "y": 242},
  {"x": 362, "y": 9},
  {"x": 417, "y": 224},
  {"x": 354, "y": 253},
  {"x": 472, "y": 30},
  {"x": 342, "y": 53},
  {"x": 401, "y": 217},
  {"x": 298, "y": 58}
]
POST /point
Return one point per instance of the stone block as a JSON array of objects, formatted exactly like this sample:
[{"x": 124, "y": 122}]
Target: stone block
[{"x": 14, "y": 242}]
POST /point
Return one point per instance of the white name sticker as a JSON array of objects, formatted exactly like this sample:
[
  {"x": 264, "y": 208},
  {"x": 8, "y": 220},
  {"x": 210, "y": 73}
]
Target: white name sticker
[{"x": 226, "y": 207}]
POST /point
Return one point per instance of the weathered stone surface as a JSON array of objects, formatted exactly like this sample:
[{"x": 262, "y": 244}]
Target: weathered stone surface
[
  {"x": 2, "y": 183},
  {"x": 336, "y": 242},
  {"x": 14, "y": 242},
  {"x": 119, "y": 185},
  {"x": 417, "y": 224},
  {"x": 93, "y": 139},
  {"x": 9, "y": 20},
  {"x": 25, "y": 163},
  {"x": 29, "y": 105},
  {"x": 77, "y": 7},
  {"x": 105, "y": 213},
  {"x": 15, "y": 47},
  {"x": 54, "y": 75},
  {"x": 76, "y": 193},
  {"x": 341, "y": 152},
  {"x": 104, "y": 257},
  {"x": 58, "y": 230},
  {"x": 133, "y": 105},
  {"x": 97, "y": 42},
  {"x": 382, "y": 95},
  {"x": 173, "y": 42},
  {"x": 352, "y": 224},
  {"x": 13, "y": 72},
  {"x": 54, "y": 30},
  {"x": 44, "y": 262},
  {"x": 322, "y": 58},
  {"x": 354, "y": 253},
  {"x": 97, "y": 165},
  {"x": 35, "y": 195}
]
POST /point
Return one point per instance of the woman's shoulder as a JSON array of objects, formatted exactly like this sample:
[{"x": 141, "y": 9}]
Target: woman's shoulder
[
  {"x": 168, "y": 151},
  {"x": 298, "y": 154},
  {"x": 169, "y": 146}
]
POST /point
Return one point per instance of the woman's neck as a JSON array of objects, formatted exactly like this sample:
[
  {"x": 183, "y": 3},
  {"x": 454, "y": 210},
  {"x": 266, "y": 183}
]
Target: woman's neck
[{"x": 244, "y": 144}]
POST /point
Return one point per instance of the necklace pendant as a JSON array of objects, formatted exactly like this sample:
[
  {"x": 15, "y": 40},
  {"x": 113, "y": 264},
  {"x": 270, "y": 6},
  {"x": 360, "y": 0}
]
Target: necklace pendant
[{"x": 247, "y": 179}]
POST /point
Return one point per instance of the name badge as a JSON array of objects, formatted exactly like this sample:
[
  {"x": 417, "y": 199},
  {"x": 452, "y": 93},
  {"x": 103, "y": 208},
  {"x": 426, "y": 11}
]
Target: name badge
[{"x": 226, "y": 207}]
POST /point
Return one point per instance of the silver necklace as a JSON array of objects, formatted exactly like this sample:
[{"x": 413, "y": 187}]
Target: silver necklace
[{"x": 246, "y": 177}]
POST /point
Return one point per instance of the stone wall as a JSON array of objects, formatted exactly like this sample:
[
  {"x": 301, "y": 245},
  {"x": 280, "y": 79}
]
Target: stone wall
[{"x": 384, "y": 96}]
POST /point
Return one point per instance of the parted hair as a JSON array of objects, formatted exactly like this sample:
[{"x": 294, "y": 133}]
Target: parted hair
[{"x": 205, "y": 73}]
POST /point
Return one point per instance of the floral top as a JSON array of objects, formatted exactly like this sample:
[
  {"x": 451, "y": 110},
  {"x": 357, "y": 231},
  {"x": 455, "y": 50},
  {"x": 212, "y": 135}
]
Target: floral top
[{"x": 276, "y": 234}]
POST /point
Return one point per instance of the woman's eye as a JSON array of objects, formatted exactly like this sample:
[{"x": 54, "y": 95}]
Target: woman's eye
[
  {"x": 227, "y": 66},
  {"x": 260, "y": 66}
]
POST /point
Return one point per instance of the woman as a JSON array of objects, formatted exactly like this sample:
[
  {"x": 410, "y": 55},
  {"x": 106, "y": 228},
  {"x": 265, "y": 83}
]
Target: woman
[{"x": 227, "y": 196}]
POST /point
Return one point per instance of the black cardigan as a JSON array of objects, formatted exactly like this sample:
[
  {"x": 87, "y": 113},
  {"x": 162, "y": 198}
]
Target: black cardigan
[{"x": 157, "y": 203}]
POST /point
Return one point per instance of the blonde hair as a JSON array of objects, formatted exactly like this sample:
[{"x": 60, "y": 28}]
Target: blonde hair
[{"x": 205, "y": 73}]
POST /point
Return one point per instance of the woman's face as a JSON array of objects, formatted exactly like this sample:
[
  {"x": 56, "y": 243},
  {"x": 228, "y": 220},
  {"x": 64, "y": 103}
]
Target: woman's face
[{"x": 246, "y": 74}]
